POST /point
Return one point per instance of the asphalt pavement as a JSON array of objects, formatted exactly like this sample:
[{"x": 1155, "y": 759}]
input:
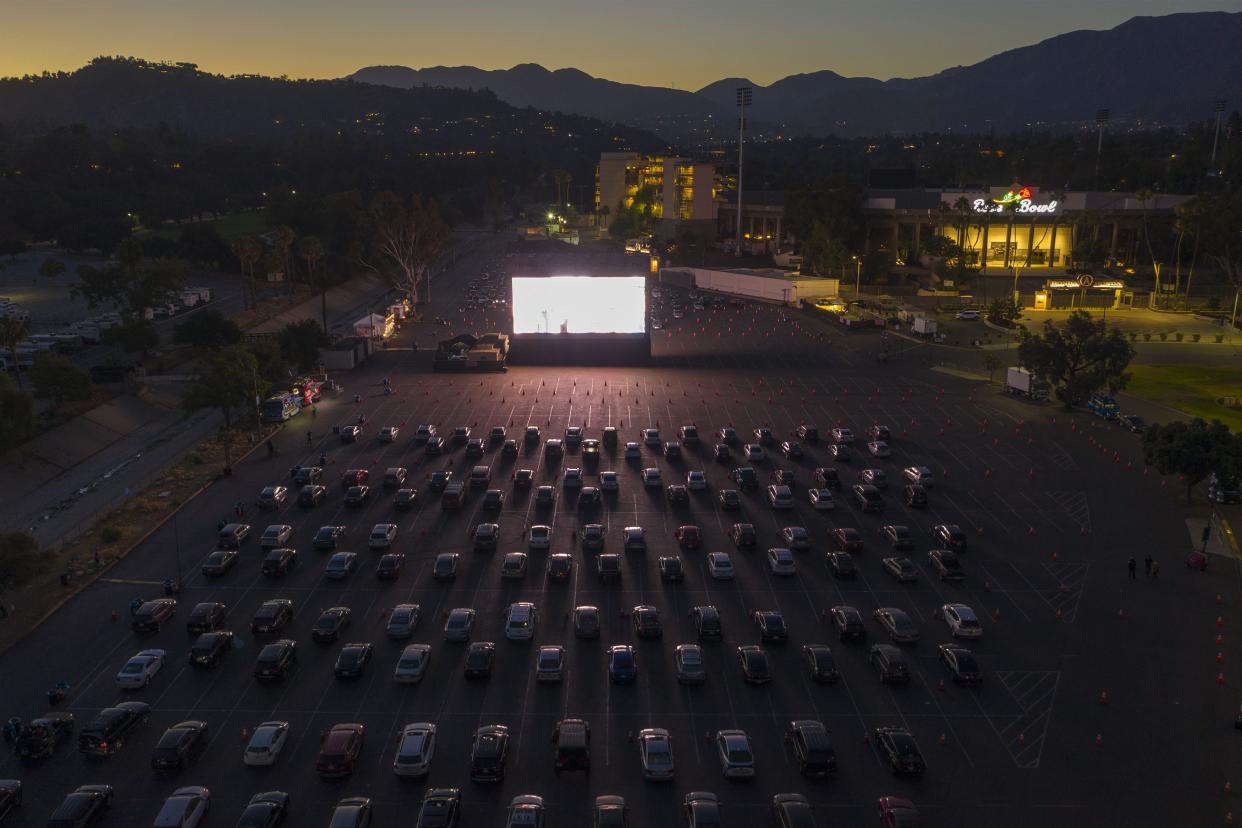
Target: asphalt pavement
[{"x": 1053, "y": 507}]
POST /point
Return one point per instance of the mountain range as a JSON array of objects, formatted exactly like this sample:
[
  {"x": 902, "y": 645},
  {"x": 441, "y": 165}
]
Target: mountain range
[{"x": 1148, "y": 70}]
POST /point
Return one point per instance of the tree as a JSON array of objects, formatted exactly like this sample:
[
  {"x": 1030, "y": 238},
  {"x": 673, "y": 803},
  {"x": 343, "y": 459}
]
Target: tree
[
  {"x": 12, "y": 333},
  {"x": 404, "y": 237},
  {"x": 51, "y": 268},
  {"x": 228, "y": 383},
  {"x": 282, "y": 246},
  {"x": 1004, "y": 312},
  {"x": 1193, "y": 450},
  {"x": 248, "y": 251},
  {"x": 992, "y": 363},
  {"x": 19, "y": 558},
  {"x": 208, "y": 329},
  {"x": 56, "y": 377},
  {"x": 300, "y": 341},
  {"x": 1079, "y": 358},
  {"x": 133, "y": 284},
  {"x": 202, "y": 244},
  {"x": 135, "y": 335},
  {"x": 825, "y": 253},
  {"x": 17, "y": 414},
  {"x": 310, "y": 250}
]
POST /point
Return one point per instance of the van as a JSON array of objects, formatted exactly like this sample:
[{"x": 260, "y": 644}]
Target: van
[
  {"x": 572, "y": 738},
  {"x": 812, "y": 747},
  {"x": 233, "y": 535},
  {"x": 520, "y": 621},
  {"x": 454, "y": 496}
]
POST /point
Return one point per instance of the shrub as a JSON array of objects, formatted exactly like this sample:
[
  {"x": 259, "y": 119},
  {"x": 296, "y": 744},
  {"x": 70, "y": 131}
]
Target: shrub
[
  {"x": 1179, "y": 336},
  {"x": 109, "y": 534}
]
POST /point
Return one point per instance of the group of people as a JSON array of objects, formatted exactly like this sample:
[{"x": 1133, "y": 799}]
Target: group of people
[{"x": 1151, "y": 567}]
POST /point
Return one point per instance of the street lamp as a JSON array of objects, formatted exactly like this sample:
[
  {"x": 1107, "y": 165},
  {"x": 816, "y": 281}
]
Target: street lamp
[{"x": 857, "y": 277}]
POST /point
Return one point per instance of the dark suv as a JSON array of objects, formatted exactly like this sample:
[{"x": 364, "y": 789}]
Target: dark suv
[
  {"x": 812, "y": 747},
  {"x": 487, "y": 754},
  {"x": 105, "y": 734},
  {"x": 276, "y": 660},
  {"x": 707, "y": 623},
  {"x": 152, "y": 615},
  {"x": 179, "y": 746},
  {"x": 572, "y": 738}
]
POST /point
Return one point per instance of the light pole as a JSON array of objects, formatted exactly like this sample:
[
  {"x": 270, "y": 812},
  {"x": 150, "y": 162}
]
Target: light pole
[
  {"x": 1220, "y": 110},
  {"x": 1101, "y": 121},
  {"x": 1233, "y": 318},
  {"x": 743, "y": 101},
  {"x": 857, "y": 278}
]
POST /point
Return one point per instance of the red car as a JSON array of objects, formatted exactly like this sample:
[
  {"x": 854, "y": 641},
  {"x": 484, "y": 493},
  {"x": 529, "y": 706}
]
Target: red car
[
  {"x": 847, "y": 539},
  {"x": 688, "y": 536},
  {"x": 896, "y": 812},
  {"x": 354, "y": 477},
  {"x": 339, "y": 751}
]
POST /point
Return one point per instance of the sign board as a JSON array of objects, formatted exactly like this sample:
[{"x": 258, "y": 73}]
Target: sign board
[
  {"x": 1018, "y": 199},
  {"x": 1085, "y": 280}
]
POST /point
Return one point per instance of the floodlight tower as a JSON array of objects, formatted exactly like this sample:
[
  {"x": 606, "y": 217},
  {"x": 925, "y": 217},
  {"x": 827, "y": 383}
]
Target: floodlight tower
[
  {"x": 1101, "y": 121},
  {"x": 1220, "y": 110},
  {"x": 743, "y": 101}
]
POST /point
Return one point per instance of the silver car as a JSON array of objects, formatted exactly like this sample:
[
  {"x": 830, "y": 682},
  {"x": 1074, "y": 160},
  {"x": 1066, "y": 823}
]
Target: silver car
[
  {"x": 655, "y": 750},
  {"x": 412, "y": 665},
  {"x": 415, "y": 750}
]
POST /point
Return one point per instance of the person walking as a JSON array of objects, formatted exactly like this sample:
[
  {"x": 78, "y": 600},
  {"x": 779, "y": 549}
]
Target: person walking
[
  {"x": 1155, "y": 569},
  {"x": 309, "y": 441},
  {"x": 1132, "y": 566},
  {"x": 1147, "y": 566}
]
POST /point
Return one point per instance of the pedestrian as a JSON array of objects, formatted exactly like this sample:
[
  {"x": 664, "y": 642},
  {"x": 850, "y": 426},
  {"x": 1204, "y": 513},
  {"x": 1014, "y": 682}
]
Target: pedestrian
[
  {"x": 1155, "y": 569},
  {"x": 309, "y": 441},
  {"x": 1132, "y": 566},
  {"x": 239, "y": 509},
  {"x": 1147, "y": 566},
  {"x": 314, "y": 411},
  {"x": 323, "y": 460}
]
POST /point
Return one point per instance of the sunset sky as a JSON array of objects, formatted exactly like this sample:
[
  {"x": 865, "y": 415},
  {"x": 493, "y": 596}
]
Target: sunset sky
[{"x": 682, "y": 43}]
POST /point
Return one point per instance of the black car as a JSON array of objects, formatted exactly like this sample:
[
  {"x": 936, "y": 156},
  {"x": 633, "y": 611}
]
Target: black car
[
  {"x": 961, "y": 664},
  {"x": 1133, "y": 423},
  {"x": 754, "y": 663},
  {"x": 439, "y": 480},
  {"x": 330, "y": 623},
  {"x": 10, "y": 796},
  {"x": 744, "y": 535},
  {"x": 404, "y": 499},
  {"x": 729, "y": 499},
  {"x": 721, "y": 453},
  {"x": 915, "y": 495},
  {"x": 105, "y": 734},
  {"x": 487, "y": 754},
  {"x": 152, "y": 615},
  {"x": 434, "y": 447},
  {"x": 849, "y": 623},
  {"x": 206, "y": 617},
  {"x": 899, "y": 749},
  {"x": 445, "y": 567},
  {"x": 389, "y": 566},
  {"x": 265, "y": 810},
  {"x": 842, "y": 564},
  {"x": 219, "y": 562},
  {"x": 745, "y": 477},
  {"x": 671, "y": 569},
  {"x": 809, "y": 433},
  {"x": 279, "y": 561},
  {"x": 357, "y": 496},
  {"x": 82, "y": 807},
  {"x": 272, "y": 616},
  {"x": 40, "y": 737},
  {"x": 950, "y": 536},
  {"x": 328, "y": 537},
  {"x": 307, "y": 475},
  {"x": 441, "y": 808},
  {"x": 352, "y": 661},
  {"x": 479, "y": 659},
  {"x": 210, "y": 647},
  {"x": 677, "y": 494},
  {"x": 827, "y": 477},
  {"x": 276, "y": 660},
  {"x": 820, "y": 664},
  {"x": 707, "y": 623},
  {"x": 946, "y": 564},
  {"x": 474, "y": 447},
  {"x": 312, "y": 495},
  {"x": 771, "y": 626},
  {"x": 180, "y": 745}
]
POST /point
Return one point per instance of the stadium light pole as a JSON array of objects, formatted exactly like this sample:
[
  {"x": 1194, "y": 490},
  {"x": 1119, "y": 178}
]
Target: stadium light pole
[
  {"x": 743, "y": 101},
  {"x": 1220, "y": 110},
  {"x": 1101, "y": 121}
]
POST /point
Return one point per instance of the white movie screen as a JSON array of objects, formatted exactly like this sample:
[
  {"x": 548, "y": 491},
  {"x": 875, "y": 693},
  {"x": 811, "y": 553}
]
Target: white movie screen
[{"x": 579, "y": 304}]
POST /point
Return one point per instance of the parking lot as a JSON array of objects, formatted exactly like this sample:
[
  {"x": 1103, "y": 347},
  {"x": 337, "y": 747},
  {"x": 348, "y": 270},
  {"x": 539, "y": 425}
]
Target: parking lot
[{"x": 1052, "y": 506}]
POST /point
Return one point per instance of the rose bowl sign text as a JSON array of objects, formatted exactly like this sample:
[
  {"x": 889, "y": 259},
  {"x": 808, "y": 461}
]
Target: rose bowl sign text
[{"x": 1021, "y": 206}]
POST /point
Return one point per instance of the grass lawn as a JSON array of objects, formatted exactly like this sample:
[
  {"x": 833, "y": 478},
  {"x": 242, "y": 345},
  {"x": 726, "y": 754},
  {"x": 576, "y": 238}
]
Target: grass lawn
[
  {"x": 1191, "y": 388},
  {"x": 250, "y": 223}
]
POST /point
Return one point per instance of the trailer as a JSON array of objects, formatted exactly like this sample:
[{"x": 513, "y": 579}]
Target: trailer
[
  {"x": 924, "y": 326},
  {"x": 1022, "y": 382}
]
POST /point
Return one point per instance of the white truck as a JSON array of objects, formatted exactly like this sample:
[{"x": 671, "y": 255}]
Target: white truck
[
  {"x": 923, "y": 326},
  {"x": 1022, "y": 381}
]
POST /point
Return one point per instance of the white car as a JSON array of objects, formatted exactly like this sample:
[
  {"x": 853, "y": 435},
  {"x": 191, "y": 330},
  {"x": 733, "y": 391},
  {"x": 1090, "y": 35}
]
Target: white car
[
  {"x": 138, "y": 671},
  {"x": 275, "y": 536},
  {"x": 655, "y": 751},
  {"x": 970, "y": 315},
  {"x": 962, "y": 621},
  {"x": 388, "y": 434},
  {"x": 412, "y": 665},
  {"x": 737, "y": 760},
  {"x": 573, "y": 478},
  {"x": 266, "y": 743},
  {"x": 549, "y": 663},
  {"x": 652, "y": 478},
  {"x": 842, "y": 435},
  {"x": 780, "y": 561},
  {"x": 382, "y": 536},
  {"x": 520, "y": 621},
  {"x": 651, "y": 437},
  {"x": 821, "y": 499},
  {"x": 608, "y": 481},
  {"x": 415, "y": 750},
  {"x": 919, "y": 474},
  {"x": 525, "y": 811},
  {"x": 186, "y": 808},
  {"x": 720, "y": 566},
  {"x": 796, "y": 537},
  {"x": 633, "y": 451},
  {"x": 879, "y": 448},
  {"x": 540, "y": 536},
  {"x": 696, "y": 480},
  {"x": 754, "y": 453}
]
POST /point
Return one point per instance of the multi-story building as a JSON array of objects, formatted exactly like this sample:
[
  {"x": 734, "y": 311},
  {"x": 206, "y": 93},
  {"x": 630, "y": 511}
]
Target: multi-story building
[{"x": 681, "y": 191}]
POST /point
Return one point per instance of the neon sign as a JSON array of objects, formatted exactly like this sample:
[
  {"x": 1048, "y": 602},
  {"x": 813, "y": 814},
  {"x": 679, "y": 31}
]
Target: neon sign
[
  {"x": 1017, "y": 202},
  {"x": 1015, "y": 195}
]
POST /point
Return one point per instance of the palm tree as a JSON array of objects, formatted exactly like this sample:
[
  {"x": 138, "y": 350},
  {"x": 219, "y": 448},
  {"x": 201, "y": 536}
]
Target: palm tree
[
  {"x": 1142, "y": 197},
  {"x": 963, "y": 209},
  {"x": 248, "y": 250},
  {"x": 282, "y": 241},
  {"x": 562, "y": 179},
  {"x": 310, "y": 250},
  {"x": 12, "y": 333}
]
